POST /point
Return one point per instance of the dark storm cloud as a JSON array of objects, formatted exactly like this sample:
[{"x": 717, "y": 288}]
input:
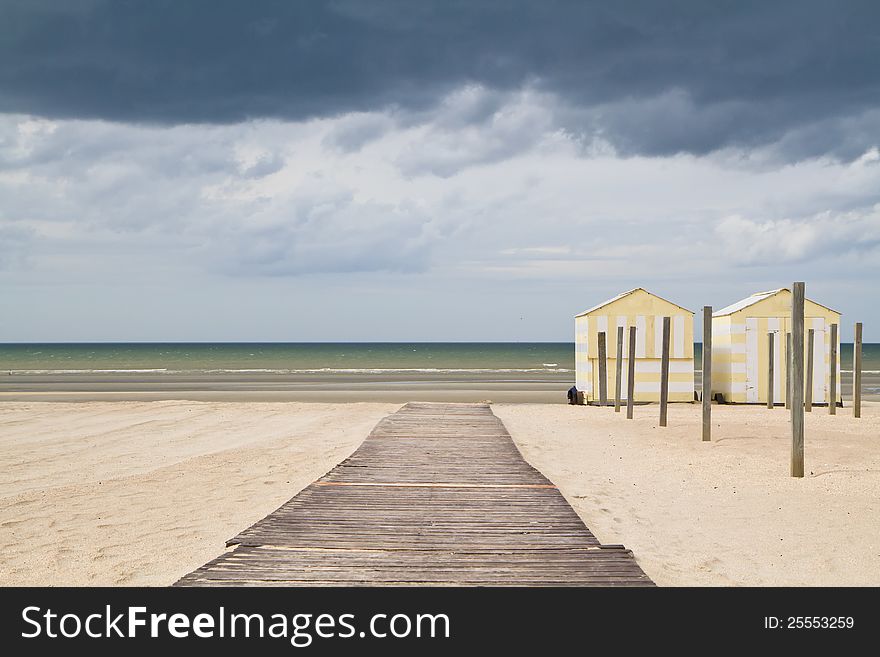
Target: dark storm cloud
[{"x": 650, "y": 77}]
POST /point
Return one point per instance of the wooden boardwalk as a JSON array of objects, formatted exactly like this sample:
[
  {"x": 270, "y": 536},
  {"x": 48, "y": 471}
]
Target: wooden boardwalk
[{"x": 437, "y": 495}]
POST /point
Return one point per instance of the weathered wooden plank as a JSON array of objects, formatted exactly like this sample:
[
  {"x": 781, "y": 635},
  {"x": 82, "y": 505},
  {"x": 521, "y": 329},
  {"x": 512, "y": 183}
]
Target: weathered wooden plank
[
  {"x": 618, "y": 369},
  {"x": 832, "y": 396},
  {"x": 770, "y": 369},
  {"x": 707, "y": 373},
  {"x": 594, "y": 566},
  {"x": 795, "y": 359},
  {"x": 437, "y": 495},
  {"x": 787, "y": 370},
  {"x": 664, "y": 372},
  {"x": 631, "y": 373},
  {"x": 857, "y": 371}
]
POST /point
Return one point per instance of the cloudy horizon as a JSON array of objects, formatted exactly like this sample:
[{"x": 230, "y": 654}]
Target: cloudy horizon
[{"x": 349, "y": 171}]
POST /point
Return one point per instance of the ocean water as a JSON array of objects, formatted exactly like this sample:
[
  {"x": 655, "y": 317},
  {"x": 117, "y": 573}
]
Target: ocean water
[
  {"x": 524, "y": 371},
  {"x": 286, "y": 358},
  {"x": 523, "y": 358}
]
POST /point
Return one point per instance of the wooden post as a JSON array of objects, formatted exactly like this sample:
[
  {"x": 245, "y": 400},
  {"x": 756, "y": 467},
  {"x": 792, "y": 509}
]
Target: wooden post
[
  {"x": 832, "y": 384},
  {"x": 857, "y": 371},
  {"x": 770, "y": 370},
  {"x": 664, "y": 373},
  {"x": 707, "y": 372},
  {"x": 796, "y": 389},
  {"x": 808, "y": 386},
  {"x": 788, "y": 370},
  {"x": 603, "y": 371},
  {"x": 631, "y": 373},
  {"x": 618, "y": 369}
]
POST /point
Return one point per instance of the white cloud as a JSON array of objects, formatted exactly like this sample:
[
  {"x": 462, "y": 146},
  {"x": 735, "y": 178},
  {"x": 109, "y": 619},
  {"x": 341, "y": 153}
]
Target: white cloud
[
  {"x": 486, "y": 190},
  {"x": 14, "y": 246},
  {"x": 786, "y": 240}
]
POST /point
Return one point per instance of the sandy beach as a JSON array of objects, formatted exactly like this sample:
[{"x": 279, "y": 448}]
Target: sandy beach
[
  {"x": 720, "y": 513},
  {"x": 131, "y": 493},
  {"x": 139, "y": 493}
]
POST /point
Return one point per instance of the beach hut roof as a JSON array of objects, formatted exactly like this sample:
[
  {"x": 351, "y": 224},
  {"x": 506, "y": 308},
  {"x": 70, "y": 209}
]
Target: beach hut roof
[
  {"x": 755, "y": 298},
  {"x": 626, "y": 294}
]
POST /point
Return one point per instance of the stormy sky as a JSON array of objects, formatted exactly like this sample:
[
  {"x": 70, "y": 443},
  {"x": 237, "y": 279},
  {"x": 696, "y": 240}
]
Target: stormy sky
[{"x": 401, "y": 170}]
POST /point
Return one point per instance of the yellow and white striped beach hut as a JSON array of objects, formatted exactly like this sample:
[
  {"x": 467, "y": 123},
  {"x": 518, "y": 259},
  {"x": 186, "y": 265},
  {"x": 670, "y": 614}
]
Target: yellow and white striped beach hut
[
  {"x": 645, "y": 311},
  {"x": 740, "y": 349}
]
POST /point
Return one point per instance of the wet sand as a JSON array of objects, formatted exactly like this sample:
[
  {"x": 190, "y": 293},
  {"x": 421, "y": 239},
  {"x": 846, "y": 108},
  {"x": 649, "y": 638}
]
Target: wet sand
[{"x": 544, "y": 387}]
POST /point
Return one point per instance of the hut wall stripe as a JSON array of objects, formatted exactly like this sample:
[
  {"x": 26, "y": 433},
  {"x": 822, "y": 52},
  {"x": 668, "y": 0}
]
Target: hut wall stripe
[
  {"x": 654, "y": 386},
  {"x": 653, "y": 367},
  {"x": 779, "y": 361},
  {"x": 678, "y": 336},
  {"x": 640, "y": 336},
  {"x": 729, "y": 368},
  {"x": 658, "y": 339}
]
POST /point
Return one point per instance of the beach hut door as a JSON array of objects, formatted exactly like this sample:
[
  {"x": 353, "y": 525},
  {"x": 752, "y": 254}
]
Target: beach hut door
[
  {"x": 751, "y": 360},
  {"x": 756, "y": 358},
  {"x": 820, "y": 394}
]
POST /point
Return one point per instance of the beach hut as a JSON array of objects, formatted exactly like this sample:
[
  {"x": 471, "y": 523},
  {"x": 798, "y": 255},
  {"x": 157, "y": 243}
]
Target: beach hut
[
  {"x": 645, "y": 311},
  {"x": 740, "y": 347}
]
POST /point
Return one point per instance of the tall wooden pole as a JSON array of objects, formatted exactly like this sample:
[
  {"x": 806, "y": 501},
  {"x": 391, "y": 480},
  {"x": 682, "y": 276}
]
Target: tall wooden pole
[
  {"x": 618, "y": 369},
  {"x": 832, "y": 384},
  {"x": 857, "y": 371},
  {"x": 664, "y": 373},
  {"x": 769, "y": 370},
  {"x": 808, "y": 386},
  {"x": 707, "y": 372},
  {"x": 788, "y": 370},
  {"x": 603, "y": 371},
  {"x": 796, "y": 359},
  {"x": 631, "y": 373}
]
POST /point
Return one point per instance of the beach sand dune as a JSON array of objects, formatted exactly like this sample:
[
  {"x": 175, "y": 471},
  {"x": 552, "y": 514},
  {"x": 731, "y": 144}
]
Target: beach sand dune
[
  {"x": 140, "y": 493},
  {"x": 720, "y": 513}
]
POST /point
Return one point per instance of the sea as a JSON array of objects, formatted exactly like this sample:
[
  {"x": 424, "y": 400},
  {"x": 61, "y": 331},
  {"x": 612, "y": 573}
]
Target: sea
[{"x": 526, "y": 371}]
